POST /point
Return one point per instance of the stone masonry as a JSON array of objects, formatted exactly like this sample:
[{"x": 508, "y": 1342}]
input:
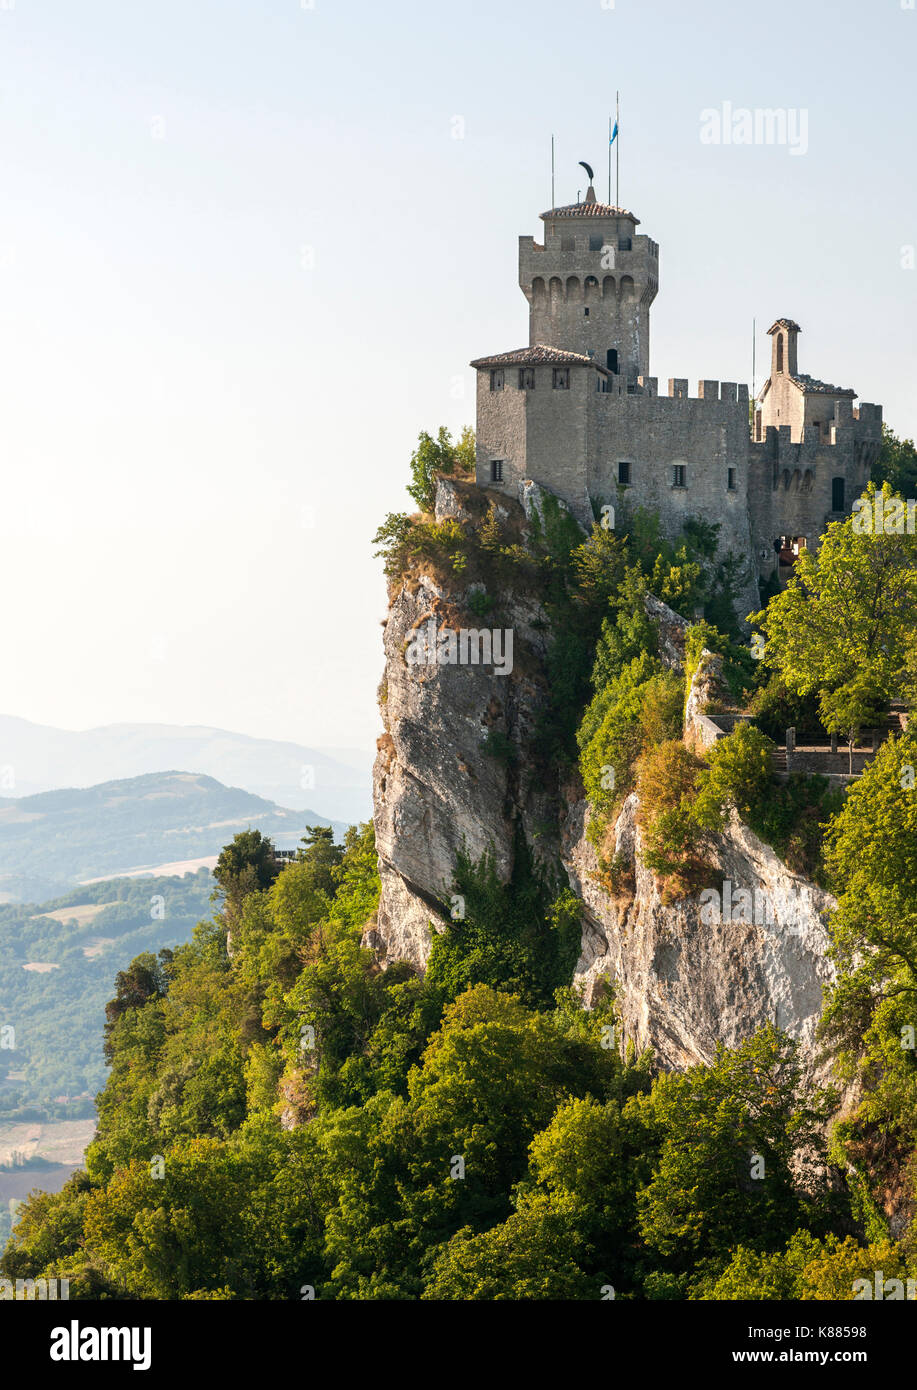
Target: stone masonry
[{"x": 578, "y": 413}]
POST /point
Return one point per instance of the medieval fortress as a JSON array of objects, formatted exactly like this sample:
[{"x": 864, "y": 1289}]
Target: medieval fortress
[{"x": 578, "y": 412}]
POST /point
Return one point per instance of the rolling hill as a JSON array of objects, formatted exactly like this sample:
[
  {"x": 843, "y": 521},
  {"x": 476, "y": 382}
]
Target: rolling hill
[
  {"x": 37, "y": 758},
  {"x": 162, "y": 821}
]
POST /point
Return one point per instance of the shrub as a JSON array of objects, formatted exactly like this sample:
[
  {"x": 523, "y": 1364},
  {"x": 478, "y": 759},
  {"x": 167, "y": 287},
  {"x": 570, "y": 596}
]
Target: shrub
[
  {"x": 673, "y": 839},
  {"x": 738, "y": 776},
  {"x": 776, "y": 708}
]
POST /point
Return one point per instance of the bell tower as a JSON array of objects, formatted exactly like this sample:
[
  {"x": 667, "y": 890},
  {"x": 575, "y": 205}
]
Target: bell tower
[
  {"x": 784, "y": 360},
  {"x": 590, "y": 285}
]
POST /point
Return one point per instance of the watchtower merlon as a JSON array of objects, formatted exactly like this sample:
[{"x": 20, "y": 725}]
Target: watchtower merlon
[{"x": 590, "y": 285}]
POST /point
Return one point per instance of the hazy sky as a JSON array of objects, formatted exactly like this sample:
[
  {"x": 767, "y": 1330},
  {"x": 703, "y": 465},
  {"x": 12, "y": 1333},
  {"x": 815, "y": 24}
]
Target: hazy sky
[{"x": 244, "y": 259}]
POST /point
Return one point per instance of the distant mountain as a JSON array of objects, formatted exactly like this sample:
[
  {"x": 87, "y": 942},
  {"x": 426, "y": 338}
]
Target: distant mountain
[
  {"x": 161, "y": 821},
  {"x": 38, "y": 758}
]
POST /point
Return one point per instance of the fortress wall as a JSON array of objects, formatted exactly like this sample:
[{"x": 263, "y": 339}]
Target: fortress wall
[
  {"x": 790, "y": 487},
  {"x": 501, "y": 432},
  {"x": 540, "y": 434},
  {"x": 707, "y": 435},
  {"x": 557, "y": 424}
]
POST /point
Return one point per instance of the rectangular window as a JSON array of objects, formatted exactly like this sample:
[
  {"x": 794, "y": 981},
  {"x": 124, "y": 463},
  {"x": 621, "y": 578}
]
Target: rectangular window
[
  {"x": 624, "y": 243},
  {"x": 526, "y": 378},
  {"x": 496, "y": 470},
  {"x": 596, "y": 243},
  {"x": 496, "y": 379},
  {"x": 568, "y": 244},
  {"x": 679, "y": 475},
  {"x": 624, "y": 473},
  {"x": 731, "y": 479},
  {"x": 585, "y": 313},
  {"x": 561, "y": 378}
]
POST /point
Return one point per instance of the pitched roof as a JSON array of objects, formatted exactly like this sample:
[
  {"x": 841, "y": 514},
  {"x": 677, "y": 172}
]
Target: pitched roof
[
  {"x": 539, "y": 355},
  {"x": 589, "y": 209},
  {"x": 785, "y": 323},
  {"x": 812, "y": 384}
]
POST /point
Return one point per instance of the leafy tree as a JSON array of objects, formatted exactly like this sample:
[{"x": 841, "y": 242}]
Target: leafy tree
[
  {"x": 522, "y": 936},
  {"x": 439, "y": 455},
  {"x": 245, "y": 866},
  {"x": 896, "y": 464},
  {"x": 674, "y": 839},
  {"x": 738, "y": 776},
  {"x": 871, "y": 1013},
  {"x": 807, "y": 1269},
  {"x": 847, "y": 612},
  {"x": 736, "y": 1140},
  {"x": 851, "y": 707},
  {"x": 534, "y": 1254},
  {"x": 146, "y": 978}
]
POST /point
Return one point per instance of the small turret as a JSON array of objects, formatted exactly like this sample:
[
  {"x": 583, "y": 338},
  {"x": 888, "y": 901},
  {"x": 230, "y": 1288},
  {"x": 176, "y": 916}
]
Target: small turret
[{"x": 783, "y": 347}]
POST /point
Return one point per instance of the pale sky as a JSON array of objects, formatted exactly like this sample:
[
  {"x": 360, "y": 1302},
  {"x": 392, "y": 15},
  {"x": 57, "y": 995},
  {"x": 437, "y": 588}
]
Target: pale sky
[{"x": 244, "y": 259}]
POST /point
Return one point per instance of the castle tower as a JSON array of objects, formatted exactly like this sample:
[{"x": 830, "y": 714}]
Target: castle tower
[{"x": 591, "y": 284}]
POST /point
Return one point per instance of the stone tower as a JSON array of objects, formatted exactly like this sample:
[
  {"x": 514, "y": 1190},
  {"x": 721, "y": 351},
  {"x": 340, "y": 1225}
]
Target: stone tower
[
  {"x": 578, "y": 412},
  {"x": 591, "y": 284}
]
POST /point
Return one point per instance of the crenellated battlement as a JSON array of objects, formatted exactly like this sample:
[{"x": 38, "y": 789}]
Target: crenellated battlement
[
  {"x": 849, "y": 426},
  {"x": 590, "y": 284},
  {"x": 579, "y": 412}
]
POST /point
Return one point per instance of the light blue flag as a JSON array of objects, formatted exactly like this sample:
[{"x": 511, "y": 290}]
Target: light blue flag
[{"x": 614, "y": 134}]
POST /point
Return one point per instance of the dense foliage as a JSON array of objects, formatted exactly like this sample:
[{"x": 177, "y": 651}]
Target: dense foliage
[
  {"x": 283, "y": 1114},
  {"x": 286, "y": 1114},
  {"x": 57, "y": 1013}
]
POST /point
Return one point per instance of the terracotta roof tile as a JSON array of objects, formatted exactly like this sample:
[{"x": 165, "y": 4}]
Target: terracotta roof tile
[
  {"x": 589, "y": 209},
  {"x": 539, "y": 355},
  {"x": 811, "y": 383}
]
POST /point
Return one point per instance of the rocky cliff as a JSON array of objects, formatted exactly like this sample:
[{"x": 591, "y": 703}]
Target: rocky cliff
[{"x": 686, "y": 974}]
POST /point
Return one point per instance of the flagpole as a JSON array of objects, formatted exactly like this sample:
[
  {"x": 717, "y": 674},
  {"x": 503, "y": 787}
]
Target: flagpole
[
  {"x": 609, "y": 159},
  {"x": 552, "y": 172},
  {"x": 754, "y": 326},
  {"x": 618, "y": 150}
]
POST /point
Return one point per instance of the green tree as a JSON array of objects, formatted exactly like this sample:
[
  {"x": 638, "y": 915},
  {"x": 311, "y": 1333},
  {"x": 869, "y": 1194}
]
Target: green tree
[
  {"x": 896, "y": 464},
  {"x": 850, "y": 708},
  {"x": 522, "y": 936},
  {"x": 439, "y": 455},
  {"x": 736, "y": 1138},
  {"x": 848, "y": 611},
  {"x": 245, "y": 866},
  {"x": 738, "y": 776}
]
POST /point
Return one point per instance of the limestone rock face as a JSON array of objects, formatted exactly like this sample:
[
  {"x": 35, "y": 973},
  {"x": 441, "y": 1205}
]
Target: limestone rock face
[
  {"x": 443, "y": 782},
  {"x": 699, "y": 971},
  {"x": 671, "y": 628},
  {"x": 443, "y": 777}
]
